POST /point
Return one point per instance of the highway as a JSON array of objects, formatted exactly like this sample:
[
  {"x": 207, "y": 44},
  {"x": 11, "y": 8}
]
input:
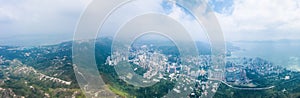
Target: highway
[{"x": 241, "y": 88}]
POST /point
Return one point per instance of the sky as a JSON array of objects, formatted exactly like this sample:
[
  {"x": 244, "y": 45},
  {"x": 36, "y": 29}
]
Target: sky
[
  {"x": 52, "y": 21},
  {"x": 38, "y": 22},
  {"x": 259, "y": 19}
]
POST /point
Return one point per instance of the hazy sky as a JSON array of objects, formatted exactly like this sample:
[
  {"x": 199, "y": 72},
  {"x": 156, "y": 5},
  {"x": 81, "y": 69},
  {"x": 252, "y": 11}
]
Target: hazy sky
[
  {"x": 33, "y": 22},
  {"x": 51, "y": 21}
]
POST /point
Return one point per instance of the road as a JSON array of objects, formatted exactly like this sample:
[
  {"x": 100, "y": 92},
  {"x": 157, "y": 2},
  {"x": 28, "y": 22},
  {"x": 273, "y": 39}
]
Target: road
[{"x": 241, "y": 88}]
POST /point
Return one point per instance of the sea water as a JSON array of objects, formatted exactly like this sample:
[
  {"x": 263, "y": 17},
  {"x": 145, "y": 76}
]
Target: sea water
[{"x": 285, "y": 54}]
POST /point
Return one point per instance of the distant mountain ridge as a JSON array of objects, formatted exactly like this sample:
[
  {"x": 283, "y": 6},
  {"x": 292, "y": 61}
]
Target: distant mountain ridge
[{"x": 270, "y": 41}]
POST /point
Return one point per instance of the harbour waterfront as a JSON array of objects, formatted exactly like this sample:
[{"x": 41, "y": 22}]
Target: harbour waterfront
[{"x": 281, "y": 53}]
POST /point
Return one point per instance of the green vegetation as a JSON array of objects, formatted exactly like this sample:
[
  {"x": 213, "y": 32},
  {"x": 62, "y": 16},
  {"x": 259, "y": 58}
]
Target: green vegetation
[{"x": 56, "y": 61}]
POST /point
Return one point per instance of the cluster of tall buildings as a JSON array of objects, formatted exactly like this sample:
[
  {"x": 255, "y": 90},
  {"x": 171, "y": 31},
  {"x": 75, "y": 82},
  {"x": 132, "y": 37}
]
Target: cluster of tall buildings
[
  {"x": 237, "y": 67},
  {"x": 156, "y": 62},
  {"x": 187, "y": 70}
]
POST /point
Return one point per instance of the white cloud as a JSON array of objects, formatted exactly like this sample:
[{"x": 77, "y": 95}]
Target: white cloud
[
  {"x": 140, "y": 7},
  {"x": 36, "y": 16},
  {"x": 250, "y": 19},
  {"x": 42, "y": 21},
  {"x": 189, "y": 22},
  {"x": 125, "y": 13},
  {"x": 262, "y": 20}
]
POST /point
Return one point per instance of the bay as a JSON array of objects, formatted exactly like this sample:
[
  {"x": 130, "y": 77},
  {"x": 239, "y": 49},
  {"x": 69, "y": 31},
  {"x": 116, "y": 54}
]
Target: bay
[{"x": 285, "y": 54}]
